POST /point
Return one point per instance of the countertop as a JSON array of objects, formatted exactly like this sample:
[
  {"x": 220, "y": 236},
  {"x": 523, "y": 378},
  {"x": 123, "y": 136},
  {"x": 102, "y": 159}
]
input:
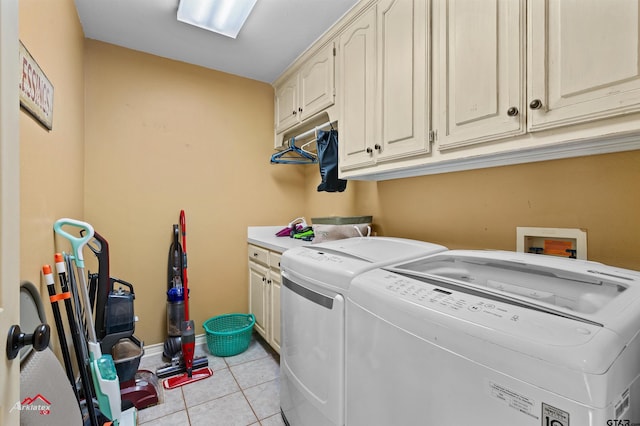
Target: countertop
[{"x": 265, "y": 236}]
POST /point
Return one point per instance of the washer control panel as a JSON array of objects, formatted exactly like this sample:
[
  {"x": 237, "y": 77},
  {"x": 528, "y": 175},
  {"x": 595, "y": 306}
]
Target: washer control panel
[
  {"x": 473, "y": 306},
  {"x": 424, "y": 295}
]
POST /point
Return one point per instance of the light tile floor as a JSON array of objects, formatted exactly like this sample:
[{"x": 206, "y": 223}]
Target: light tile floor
[{"x": 244, "y": 390}]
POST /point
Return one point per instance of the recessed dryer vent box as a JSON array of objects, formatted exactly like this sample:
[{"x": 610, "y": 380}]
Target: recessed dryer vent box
[{"x": 564, "y": 242}]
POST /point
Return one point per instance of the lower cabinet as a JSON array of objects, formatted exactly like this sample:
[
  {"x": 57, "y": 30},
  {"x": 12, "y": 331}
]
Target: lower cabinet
[
  {"x": 264, "y": 293},
  {"x": 274, "y": 317}
]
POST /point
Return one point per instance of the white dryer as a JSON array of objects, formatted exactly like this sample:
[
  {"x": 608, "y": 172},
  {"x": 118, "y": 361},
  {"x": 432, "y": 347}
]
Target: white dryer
[
  {"x": 315, "y": 283},
  {"x": 494, "y": 338}
]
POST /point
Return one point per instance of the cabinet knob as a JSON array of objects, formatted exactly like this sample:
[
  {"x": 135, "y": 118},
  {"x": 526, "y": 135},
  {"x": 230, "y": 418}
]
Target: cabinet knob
[
  {"x": 295, "y": 112},
  {"x": 369, "y": 150},
  {"x": 299, "y": 109},
  {"x": 512, "y": 112},
  {"x": 535, "y": 104},
  {"x": 377, "y": 147},
  {"x": 264, "y": 279}
]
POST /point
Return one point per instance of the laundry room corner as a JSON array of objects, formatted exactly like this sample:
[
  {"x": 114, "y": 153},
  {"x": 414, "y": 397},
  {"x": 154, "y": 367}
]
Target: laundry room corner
[{"x": 162, "y": 136}]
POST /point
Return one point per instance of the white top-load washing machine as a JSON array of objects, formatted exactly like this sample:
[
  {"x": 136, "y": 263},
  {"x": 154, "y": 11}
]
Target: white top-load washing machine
[
  {"x": 494, "y": 338},
  {"x": 315, "y": 283}
]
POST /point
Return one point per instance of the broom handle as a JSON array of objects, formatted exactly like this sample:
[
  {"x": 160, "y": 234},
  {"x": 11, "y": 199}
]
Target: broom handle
[{"x": 185, "y": 280}]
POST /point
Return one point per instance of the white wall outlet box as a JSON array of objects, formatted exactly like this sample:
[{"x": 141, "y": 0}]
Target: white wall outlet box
[{"x": 564, "y": 242}]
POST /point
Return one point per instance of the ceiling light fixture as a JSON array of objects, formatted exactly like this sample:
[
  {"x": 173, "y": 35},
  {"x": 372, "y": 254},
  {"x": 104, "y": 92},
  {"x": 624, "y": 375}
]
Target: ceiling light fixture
[{"x": 225, "y": 17}]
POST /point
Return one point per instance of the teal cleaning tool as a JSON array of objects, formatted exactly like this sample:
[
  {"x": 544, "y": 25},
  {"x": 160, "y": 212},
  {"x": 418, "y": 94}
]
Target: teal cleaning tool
[{"x": 103, "y": 369}]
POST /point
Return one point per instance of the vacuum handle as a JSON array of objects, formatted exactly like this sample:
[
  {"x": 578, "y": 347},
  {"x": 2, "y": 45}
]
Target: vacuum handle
[
  {"x": 77, "y": 243},
  {"x": 115, "y": 281},
  {"x": 98, "y": 245}
]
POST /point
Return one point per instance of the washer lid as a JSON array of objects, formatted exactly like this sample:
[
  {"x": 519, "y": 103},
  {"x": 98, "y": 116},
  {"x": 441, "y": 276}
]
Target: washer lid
[
  {"x": 513, "y": 338},
  {"x": 583, "y": 290},
  {"x": 336, "y": 262}
]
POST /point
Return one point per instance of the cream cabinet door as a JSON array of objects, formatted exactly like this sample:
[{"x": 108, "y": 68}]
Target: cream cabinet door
[
  {"x": 583, "y": 61},
  {"x": 479, "y": 82},
  {"x": 307, "y": 92},
  {"x": 275, "y": 285},
  {"x": 275, "y": 282},
  {"x": 356, "y": 89},
  {"x": 317, "y": 83},
  {"x": 258, "y": 297},
  {"x": 286, "y": 104},
  {"x": 402, "y": 80}
]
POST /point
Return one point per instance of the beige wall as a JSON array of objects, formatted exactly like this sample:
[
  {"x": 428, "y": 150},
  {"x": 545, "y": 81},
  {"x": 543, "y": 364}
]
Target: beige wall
[
  {"x": 164, "y": 136},
  {"x": 321, "y": 204},
  {"x": 52, "y": 162},
  {"x": 482, "y": 208}
]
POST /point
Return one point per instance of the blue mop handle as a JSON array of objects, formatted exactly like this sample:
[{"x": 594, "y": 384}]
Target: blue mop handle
[{"x": 77, "y": 243}]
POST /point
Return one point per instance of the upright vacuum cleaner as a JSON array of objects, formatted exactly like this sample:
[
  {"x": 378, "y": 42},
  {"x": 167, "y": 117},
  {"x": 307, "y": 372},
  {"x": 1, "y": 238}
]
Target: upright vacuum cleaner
[
  {"x": 180, "y": 344},
  {"x": 115, "y": 324},
  {"x": 103, "y": 372}
]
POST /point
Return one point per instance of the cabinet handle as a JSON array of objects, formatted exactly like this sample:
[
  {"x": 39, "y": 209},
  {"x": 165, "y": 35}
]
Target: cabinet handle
[
  {"x": 512, "y": 112},
  {"x": 369, "y": 150},
  {"x": 255, "y": 254},
  {"x": 377, "y": 147},
  {"x": 535, "y": 104}
]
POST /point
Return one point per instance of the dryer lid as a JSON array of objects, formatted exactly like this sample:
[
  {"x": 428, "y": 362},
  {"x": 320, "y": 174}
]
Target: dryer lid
[
  {"x": 379, "y": 249},
  {"x": 335, "y": 263}
]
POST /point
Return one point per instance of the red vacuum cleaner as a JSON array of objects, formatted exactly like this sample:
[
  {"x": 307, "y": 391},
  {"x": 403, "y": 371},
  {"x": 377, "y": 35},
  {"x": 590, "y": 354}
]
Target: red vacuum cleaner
[{"x": 187, "y": 328}]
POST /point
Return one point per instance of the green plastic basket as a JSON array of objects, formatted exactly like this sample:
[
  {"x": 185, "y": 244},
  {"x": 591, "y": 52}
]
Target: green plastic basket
[{"x": 229, "y": 334}]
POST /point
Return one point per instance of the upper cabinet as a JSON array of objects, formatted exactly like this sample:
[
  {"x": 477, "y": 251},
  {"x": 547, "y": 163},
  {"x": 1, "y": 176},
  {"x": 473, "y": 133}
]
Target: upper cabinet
[
  {"x": 403, "y": 61},
  {"x": 286, "y": 104},
  {"x": 307, "y": 91},
  {"x": 479, "y": 70},
  {"x": 583, "y": 61},
  {"x": 356, "y": 91},
  {"x": 383, "y": 97},
  {"x": 431, "y": 86}
]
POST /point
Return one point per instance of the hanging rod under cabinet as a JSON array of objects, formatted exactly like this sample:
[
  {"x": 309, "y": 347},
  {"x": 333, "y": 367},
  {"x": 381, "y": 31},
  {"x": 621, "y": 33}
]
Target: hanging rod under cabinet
[{"x": 311, "y": 131}]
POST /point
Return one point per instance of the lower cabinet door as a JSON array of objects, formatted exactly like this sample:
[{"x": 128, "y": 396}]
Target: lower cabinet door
[
  {"x": 258, "y": 297},
  {"x": 275, "y": 310}
]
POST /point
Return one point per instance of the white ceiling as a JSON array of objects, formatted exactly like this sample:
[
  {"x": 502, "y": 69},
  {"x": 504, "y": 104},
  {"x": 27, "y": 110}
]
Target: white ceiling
[{"x": 275, "y": 34}]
